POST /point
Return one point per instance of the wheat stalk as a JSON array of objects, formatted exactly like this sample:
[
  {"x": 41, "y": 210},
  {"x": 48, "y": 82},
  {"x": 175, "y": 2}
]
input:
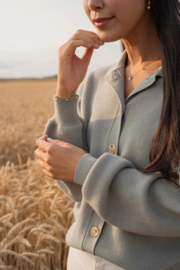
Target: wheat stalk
[
  {"x": 29, "y": 199},
  {"x": 2, "y": 252}
]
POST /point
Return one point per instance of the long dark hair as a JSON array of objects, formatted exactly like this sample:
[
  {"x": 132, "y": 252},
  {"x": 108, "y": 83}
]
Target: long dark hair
[{"x": 165, "y": 156}]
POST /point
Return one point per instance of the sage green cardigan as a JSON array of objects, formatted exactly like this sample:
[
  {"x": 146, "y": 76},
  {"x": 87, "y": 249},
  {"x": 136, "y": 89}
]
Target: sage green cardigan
[{"x": 127, "y": 217}]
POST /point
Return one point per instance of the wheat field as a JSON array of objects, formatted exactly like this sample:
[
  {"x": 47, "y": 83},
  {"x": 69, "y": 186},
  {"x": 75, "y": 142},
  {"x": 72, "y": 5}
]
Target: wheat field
[{"x": 35, "y": 214}]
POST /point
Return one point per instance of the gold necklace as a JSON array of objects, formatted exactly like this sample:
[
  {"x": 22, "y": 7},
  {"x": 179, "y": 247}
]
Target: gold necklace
[{"x": 143, "y": 68}]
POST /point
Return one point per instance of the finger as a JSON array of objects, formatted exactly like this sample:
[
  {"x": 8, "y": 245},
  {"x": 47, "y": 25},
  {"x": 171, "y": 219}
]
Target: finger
[
  {"x": 48, "y": 173},
  {"x": 91, "y": 39},
  {"x": 40, "y": 154},
  {"x": 44, "y": 165},
  {"x": 43, "y": 144},
  {"x": 87, "y": 55},
  {"x": 44, "y": 137},
  {"x": 73, "y": 44},
  {"x": 85, "y": 32}
]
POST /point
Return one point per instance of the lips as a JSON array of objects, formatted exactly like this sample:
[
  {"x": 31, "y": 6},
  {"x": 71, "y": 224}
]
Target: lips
[
  {"x": 103, "y": 22},
  {"x": 98, "y": 20}
]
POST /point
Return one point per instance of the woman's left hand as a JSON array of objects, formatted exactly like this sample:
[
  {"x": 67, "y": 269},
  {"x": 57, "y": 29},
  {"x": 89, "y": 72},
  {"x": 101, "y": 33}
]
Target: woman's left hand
[{"x": 58, "y": 159}]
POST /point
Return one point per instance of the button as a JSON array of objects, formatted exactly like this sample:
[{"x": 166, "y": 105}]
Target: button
[
  {"x": 114, "y": 76},
  {"x": 112, "y": 148},
  {"x": 94, "y": 231}
]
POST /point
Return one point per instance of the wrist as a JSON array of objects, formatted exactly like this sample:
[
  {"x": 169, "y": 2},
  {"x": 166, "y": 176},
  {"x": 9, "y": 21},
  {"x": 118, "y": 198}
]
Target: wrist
[
  {"x": 61, "y": 93},
  {"x": 64, "y": 95}
]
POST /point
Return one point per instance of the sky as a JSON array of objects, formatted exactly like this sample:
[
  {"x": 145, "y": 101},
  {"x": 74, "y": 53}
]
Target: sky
[{"x": 33, "y": 30}]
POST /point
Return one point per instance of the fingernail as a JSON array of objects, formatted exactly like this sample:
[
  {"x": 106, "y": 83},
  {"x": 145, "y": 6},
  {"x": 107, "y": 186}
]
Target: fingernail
[{"x": 49, "y": 139}]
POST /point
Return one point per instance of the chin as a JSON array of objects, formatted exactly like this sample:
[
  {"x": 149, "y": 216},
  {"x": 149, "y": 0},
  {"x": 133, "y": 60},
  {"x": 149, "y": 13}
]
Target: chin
[{"x": 107, "y": 37}]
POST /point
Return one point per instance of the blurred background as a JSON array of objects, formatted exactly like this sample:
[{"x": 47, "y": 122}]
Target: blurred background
[
  {"x": 35, "y": 214},
  {"x": 32, "y": 31}
]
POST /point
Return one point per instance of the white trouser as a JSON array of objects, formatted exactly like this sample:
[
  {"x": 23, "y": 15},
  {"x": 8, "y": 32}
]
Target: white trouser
[{"x": 81, "y": 260}]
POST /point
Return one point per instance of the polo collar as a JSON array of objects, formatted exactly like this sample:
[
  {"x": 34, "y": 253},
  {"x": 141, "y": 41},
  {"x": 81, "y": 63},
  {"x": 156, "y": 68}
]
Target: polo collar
[{"x": 115, "y": 76}]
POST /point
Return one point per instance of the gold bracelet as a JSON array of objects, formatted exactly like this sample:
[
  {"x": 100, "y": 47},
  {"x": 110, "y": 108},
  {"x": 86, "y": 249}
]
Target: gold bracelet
[{"x": 65, "y": 98}]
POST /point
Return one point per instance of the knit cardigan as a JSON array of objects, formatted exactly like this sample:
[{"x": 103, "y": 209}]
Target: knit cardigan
[{"x": 127, "y": 217}]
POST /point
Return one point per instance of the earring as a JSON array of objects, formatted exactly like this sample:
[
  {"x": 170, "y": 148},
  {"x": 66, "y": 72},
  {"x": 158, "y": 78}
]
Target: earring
[{"x": 149, "y": 4}]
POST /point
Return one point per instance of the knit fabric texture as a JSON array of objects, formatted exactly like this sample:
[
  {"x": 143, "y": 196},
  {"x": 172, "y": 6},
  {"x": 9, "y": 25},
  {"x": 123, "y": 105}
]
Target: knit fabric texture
[{"x": 136, "y": 214}]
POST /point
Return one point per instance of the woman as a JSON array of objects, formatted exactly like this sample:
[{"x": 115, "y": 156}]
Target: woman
[{"x": 114, "y": 146}]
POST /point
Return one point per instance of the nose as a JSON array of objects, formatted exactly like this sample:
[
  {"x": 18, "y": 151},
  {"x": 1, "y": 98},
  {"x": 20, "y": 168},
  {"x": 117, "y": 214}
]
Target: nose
[{"x": 95, "y": 4}]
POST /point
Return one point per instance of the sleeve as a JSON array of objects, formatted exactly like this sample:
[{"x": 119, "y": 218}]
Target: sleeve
[
  {"x": 141, "y": 203},
  {"x": 67, "y": 125}
]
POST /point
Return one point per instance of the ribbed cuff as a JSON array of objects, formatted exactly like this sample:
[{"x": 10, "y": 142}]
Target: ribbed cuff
[
  {"x": 83, "y": 167},
  {"x": 66, "y": 112}
]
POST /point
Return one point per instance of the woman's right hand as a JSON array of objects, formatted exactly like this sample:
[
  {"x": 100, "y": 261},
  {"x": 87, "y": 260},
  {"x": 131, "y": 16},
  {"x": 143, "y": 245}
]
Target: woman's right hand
[{"x": 71, "y": 68}]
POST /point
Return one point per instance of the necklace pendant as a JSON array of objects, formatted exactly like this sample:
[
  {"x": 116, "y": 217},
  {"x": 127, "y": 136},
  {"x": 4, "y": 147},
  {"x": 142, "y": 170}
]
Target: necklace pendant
[{"x": 129, "y": 78}]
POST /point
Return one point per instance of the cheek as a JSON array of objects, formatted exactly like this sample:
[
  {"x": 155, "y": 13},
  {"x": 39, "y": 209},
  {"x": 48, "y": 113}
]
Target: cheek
[
  {"x": 127, "y": 6},
  {"x": 128, "y": 12}
]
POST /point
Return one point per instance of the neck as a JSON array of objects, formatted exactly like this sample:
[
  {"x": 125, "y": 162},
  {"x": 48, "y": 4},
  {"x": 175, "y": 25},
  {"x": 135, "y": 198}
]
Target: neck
[{"x": 142, "y": 44}]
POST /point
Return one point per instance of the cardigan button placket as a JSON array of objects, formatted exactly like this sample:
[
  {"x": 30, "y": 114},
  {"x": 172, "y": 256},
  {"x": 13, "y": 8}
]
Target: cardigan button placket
[{"x": 94, "y": 231}]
